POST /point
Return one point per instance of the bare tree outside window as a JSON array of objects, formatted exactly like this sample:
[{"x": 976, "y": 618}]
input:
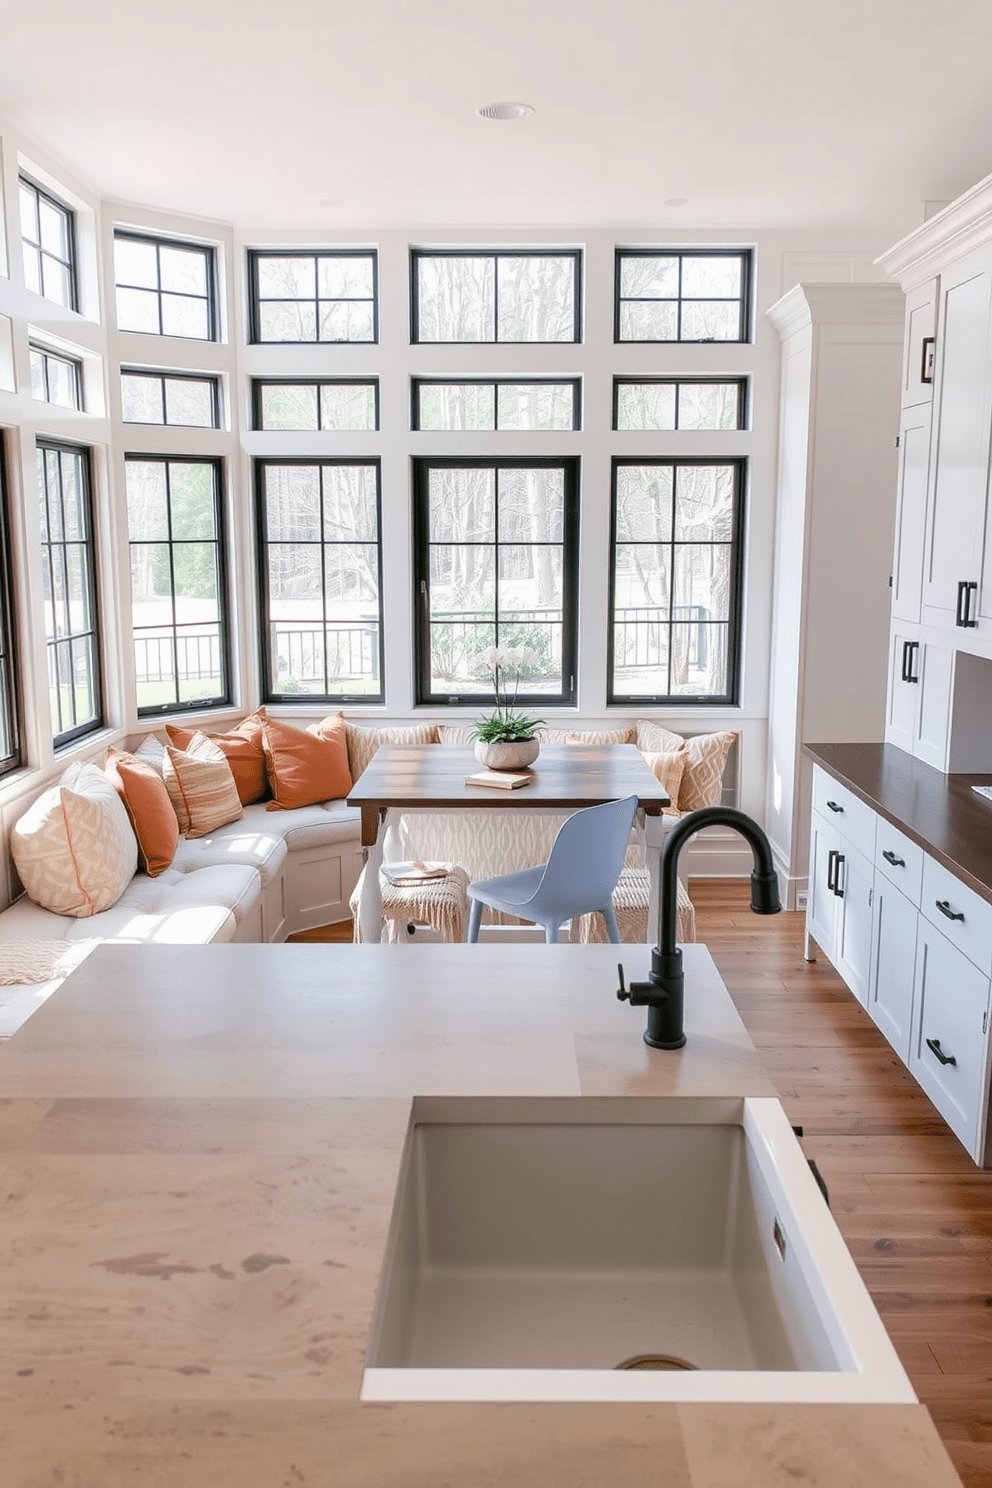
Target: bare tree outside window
[{"x": 496, "y": 297}]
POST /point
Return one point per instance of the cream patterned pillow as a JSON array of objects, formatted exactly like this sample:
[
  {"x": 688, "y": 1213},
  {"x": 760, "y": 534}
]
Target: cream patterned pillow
[
  {"x": 201, "y": 786},
  {"x": 706, "y": 758},
  {"x": 74, "y": 847},
  {"x": 363, "y": 742},
  {"x": 669, "y": 767},
  {"x": 652, "y": 738},
  {"x": 451, "y": 733},
  {"x": 601, "y": 736}
]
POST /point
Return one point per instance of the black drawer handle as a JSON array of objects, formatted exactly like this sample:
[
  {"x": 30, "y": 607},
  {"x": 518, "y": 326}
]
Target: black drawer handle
[
  {"x": 837, "y": 885},
  {"x": 909, "y": 650},
  {"x": 962, "y": 615},
  {"x": 832, "y": 857},
  {"x": 832, "y": 806},
  {"x": 934, "y": 1046},
  {"x": 890, "y": 857},
  {"x": 947, "y": 911}
]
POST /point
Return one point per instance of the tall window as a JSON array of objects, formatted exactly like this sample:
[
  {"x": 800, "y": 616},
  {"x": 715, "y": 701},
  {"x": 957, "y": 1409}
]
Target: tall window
[
  {"x": 178, "y": 590},
  {"x": 165, "y": 287},
  {"x": 495, "y": 296},
  {"x": 676, "y": 581},
  {"x": 326, "y": 296},
  {"x": 10, "y": 754},
  {"x": 321, "y": 579},
  {"x": 495, "y": 553},
  {"x": 56, "y": 379},
  {"x": 69, "y": 574},
  {"x": 49, "y": 245},
  {"x": 698, "y": 294},
  {"x": 187, "y": 401}
]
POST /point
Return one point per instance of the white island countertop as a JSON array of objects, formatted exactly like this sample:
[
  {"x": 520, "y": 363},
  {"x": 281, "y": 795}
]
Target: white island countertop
[{"x": 198, "y": 1152}]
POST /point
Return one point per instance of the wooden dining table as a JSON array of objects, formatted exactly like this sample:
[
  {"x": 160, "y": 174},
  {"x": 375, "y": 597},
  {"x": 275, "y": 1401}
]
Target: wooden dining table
[{"x": 432, "y": 777}]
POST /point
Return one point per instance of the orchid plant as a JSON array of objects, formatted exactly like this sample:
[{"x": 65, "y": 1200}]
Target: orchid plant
[{"x": 507, "y": 664}]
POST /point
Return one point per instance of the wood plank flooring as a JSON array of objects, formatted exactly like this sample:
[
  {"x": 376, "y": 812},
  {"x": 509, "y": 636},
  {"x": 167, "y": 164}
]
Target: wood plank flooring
[{"x": 914, "y": 1210}]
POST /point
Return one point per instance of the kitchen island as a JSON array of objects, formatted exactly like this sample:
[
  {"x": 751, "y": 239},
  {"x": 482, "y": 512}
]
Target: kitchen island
[{"x": 198, "y": 1150}]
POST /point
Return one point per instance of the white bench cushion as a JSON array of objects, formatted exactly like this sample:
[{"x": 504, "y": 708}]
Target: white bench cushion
[{"x": 251, "y": 842}]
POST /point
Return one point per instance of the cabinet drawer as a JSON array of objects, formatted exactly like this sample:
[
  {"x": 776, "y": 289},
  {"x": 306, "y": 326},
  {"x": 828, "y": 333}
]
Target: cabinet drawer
[
  {"x": 852, "y": 818},
  {"x": 899, "y": 859},
  {"x": 965, "y": 919},
  {"x": 949, "y": 1053}
]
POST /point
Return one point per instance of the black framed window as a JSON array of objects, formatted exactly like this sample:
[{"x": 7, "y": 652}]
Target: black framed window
[
  {"x": 56, "y": 379},
  {"x": 496, "y": 404},
  {"x": 178, "y": 582},
  {"x": 324, "y": 403},
  {"x": 10, "y": 712},
  {"x": 165, "y": 287},
  {"x": 326, "y": 296},
  {"x": 183, "y": 399},
  {"x": 675, "y": 580},
  {"x": 320, "y": 569},
  {"x": 671, "y": 294},
  {"x": 495, "y": 564},
  {"x": 654, "y": 403},
  {"x": 72, "y": 633},
  {"x": 491, "y": 296},
  {"x": 48, "y": 243}
]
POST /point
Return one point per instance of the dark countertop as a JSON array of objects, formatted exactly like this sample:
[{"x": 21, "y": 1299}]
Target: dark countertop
[{"x": 941, "y": 813}]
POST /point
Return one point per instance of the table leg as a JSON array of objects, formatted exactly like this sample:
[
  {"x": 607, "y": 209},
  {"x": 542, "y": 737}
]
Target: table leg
[{"x": 388, "y": 848}]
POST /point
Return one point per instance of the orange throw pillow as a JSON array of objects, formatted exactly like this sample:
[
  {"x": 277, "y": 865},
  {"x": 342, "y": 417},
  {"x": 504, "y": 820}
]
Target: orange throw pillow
[
  {"x": 146, "y": 799},
  {"x": 243, "y": 747},
  {"x": 305, "y": 767}
]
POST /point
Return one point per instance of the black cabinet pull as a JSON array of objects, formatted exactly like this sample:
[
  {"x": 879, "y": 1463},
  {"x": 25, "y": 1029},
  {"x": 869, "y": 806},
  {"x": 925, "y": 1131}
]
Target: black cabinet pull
[
  {"x": 909, "y": 650},
  {"x": 946, "y": 910},
  {"x": 962, "y": 614},
  {"x": 832, "y": 806},
  {"x": 934, "y": 1046},
  {"x": 837, "y": 888},
  {"x": 831, "y": 869},
  {"x": 890, "y": 857}
]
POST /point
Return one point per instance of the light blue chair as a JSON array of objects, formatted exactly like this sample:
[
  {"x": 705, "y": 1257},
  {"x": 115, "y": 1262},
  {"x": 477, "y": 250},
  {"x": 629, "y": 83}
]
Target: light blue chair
[{"x": 579, "y": 876}]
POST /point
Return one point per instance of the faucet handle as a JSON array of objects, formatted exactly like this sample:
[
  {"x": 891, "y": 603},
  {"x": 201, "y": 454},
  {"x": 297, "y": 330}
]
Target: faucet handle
[{"x": 622, "y": 994}]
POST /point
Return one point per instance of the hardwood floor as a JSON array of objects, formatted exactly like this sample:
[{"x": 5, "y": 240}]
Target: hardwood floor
[{"x": 914, "y": 1210}]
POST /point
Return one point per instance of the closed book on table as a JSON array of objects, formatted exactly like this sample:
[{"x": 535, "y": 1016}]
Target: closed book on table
[{"x": 500, "y": 779}]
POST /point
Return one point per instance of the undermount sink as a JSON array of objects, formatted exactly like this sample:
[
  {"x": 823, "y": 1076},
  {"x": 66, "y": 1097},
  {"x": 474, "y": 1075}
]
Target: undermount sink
[{"x": 538, "y": 1244}]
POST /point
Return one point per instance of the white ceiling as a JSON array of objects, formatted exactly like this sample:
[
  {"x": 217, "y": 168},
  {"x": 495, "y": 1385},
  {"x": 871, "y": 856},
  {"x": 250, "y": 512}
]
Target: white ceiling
[{"x": 762, "y": 113}]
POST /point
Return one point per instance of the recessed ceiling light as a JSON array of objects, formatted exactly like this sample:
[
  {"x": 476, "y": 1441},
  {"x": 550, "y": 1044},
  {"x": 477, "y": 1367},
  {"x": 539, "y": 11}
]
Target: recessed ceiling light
[
  {"x": 676, "y": 201},
  {"x": 506, "y": 110}
]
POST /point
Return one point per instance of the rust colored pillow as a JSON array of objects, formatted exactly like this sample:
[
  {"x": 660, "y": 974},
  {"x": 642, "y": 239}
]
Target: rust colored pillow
[
  {"x": 146, "y": 799},
  {"x": 243, "y": 748},
  {"x": 304, "y": 766}
]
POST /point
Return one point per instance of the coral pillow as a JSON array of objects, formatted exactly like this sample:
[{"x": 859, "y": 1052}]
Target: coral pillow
[
  {"x": 243, "y": 748},
  {"x": 305, "y": 766},
  {"x": 146, "y": 800},
  {"x": 668, "y": 767},
  {"x": 74, "y": 847},
  {"x": 201, "y": 787}
]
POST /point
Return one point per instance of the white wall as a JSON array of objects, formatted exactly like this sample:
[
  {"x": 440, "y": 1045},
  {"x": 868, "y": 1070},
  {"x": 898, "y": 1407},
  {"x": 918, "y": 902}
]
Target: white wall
[{"x": 780, "y": 260}]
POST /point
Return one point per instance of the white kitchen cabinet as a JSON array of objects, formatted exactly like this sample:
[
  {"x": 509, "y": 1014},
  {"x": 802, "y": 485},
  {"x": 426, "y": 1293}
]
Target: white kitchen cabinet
[
  {"x": 839, "y": 904},
  {"x": 893, "y": 965},
  {"x": 911, "y": 510},
  {"x": 918, "y": 348},
  {"x": 918, "y": 708},
  {"x": 949, "y": 1055}
]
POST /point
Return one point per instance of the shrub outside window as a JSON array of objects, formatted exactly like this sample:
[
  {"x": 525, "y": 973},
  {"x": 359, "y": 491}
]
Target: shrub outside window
[
  {"x": 165, "y": 287},
  {"x": 495, "y": 555},
  {"x": 667, "y": 294},
  {"x": 178, "y": 591},
  {"x": 496, "y": 404},
  {"x": 48, "y": 244},
  {"x": 56, "y": 379},
  {"x": 488, "y": 296},
  {"x": 72, "y": 636},
  {"x": 320, "y": 568},
  {"x": 675, "y": 590},
  {"x": 326, "y": 403},
  {"x": 328, "y": 296},
  {"x": 189, "y": 402}
]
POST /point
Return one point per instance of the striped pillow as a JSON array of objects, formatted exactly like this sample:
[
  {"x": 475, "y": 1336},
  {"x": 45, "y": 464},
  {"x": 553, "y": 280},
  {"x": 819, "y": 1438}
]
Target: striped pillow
[{"x": 201, "y": 786}]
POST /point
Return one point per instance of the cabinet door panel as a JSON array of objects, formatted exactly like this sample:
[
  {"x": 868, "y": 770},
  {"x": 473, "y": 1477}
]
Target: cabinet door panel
[
  {"x": 949, "y": 1053},
  {"x": 893, "y": 966},
  {"x": 821, "y": 906},
  {"x": 911, "y": 509},
  {"x": 854, "y": 875},
  {"x": 961, "y": 447},
  {"x": 921, "y": 314},
  {"x": 933, "y": 719},
  {"x": 904, "y": 696}
]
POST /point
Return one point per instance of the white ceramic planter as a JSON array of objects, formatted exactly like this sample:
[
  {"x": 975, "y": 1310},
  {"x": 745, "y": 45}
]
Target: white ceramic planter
[{"x": 507, "y": 756}]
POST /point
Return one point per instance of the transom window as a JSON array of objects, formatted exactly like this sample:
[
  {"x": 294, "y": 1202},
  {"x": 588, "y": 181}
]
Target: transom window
[
  {"x": 10, "y": 753},
  {"x": 495, "y": 554},
  {"x": 186, "y": 401},
  {"x": 675, "y": 580},
  {"x": 328, "y": 296},
  {"x": 321, "y": 579},
  {"x": 492, "y": 296},
  {"x": 72, "y": 636},
  {"x": 336, "y": 403},
  {"x": 673, "y": 295},
  {"x": 679, "y": 403},
  {"x": 56, "y": 379},
  {"x": 165, "y": 287},
  {"x": 178, "y": 591},
  {"x": 496, "y": 404},
  {"x": 48, "y": 245}
]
